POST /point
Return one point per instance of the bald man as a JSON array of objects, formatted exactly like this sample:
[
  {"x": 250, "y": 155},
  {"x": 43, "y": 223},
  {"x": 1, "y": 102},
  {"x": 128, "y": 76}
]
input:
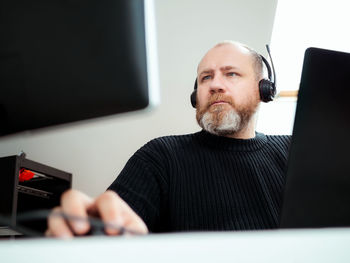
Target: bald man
[{"x": 225, "y": 177}]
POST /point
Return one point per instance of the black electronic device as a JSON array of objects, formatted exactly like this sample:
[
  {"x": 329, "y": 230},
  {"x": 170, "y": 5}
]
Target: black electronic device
[
  {"x": 20, "y": 193},
  {"x": 317, "y": 191},
  {"x": 64, "y": 61},
  {"x": 267, "y": 87}
]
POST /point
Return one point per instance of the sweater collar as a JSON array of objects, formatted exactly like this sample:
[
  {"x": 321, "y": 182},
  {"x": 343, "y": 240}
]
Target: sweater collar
[{"x": 225, "y": 143}]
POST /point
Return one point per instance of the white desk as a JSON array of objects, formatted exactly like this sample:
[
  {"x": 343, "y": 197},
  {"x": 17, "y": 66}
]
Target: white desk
[{"x": 326, "y": 245}]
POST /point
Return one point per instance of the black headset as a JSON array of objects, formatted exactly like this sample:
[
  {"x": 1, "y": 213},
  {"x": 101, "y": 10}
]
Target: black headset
[{"x": 267, "y": 87}]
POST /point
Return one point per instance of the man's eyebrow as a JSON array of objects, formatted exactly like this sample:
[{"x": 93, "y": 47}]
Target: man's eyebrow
[
  {"x": 224, "y": 68},
  {"x": 206, "y": 71}
]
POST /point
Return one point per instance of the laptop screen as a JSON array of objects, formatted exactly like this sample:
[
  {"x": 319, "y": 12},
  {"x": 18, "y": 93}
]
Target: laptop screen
[{"x": 317, "y": 192}]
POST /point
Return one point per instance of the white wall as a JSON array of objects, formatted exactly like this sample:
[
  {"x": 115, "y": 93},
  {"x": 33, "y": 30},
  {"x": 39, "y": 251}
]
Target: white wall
[
  {"x": 95, "y": 152},
  {"x": 327, "y": 29}
]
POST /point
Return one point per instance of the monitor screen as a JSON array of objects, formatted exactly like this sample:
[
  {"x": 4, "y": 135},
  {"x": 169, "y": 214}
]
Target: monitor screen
[{"x": 67, "y": 60}]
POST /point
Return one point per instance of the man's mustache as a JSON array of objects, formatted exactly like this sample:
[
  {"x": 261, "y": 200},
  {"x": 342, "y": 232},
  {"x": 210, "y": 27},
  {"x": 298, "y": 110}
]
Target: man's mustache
[{"x": 215, "y": 98}]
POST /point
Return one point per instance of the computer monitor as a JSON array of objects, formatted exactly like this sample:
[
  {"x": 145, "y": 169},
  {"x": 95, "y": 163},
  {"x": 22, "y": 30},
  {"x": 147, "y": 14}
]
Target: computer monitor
[{"x": 63, "y": 61}]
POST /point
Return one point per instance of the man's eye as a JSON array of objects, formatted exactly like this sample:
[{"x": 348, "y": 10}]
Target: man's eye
[
  {"x": 205, "y": 77},
  {"x": 231, "y": 74}
]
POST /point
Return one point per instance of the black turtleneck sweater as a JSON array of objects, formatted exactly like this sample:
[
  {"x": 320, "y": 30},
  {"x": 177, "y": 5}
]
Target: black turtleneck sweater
[{"x": 200, "y": 182}]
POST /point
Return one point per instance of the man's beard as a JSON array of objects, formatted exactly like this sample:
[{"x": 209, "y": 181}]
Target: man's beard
[{"x": 224, "y": 119}]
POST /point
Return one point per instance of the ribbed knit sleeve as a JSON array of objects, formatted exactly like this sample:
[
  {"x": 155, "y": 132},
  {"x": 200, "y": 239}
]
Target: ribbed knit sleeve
[
  {"x": 143, "y": 185},
  {"x": 201, "y": 182}
]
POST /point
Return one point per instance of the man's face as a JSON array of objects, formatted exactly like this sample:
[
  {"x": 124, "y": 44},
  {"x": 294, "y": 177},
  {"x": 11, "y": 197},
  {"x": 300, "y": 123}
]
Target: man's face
[{"x": 228, "y": 93}]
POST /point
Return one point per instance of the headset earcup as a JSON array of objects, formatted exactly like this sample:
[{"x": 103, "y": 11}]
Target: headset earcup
[
  {"x": 194, "y": 98},
  {"x": 267, "y": 90},
  {"x": 194, "y": 94}
]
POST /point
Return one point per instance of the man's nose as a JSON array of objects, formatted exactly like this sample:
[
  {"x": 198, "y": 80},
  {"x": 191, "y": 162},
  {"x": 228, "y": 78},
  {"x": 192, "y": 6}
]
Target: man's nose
[{"x": 217, "y": 86}]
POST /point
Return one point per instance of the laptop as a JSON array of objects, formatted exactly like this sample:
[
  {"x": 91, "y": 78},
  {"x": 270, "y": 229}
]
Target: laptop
[{"x": 317, "y": 190}]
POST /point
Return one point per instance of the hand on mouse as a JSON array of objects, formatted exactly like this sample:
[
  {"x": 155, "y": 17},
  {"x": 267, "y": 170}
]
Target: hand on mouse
[{"x": 113, "y": 211}]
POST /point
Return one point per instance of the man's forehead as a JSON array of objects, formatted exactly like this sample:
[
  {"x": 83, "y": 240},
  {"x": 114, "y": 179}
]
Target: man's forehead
[{"x": 223, "y": 55}]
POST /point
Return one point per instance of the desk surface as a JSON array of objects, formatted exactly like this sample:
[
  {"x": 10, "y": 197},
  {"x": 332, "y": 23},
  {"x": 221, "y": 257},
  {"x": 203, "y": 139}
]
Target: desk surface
[{"x": 322, "y": 245}]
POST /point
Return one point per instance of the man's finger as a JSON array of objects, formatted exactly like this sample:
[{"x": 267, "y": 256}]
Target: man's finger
[
  {"x": 136, "y": 225},
  {"x": 57, "y": 225},
  {"x": 113, "y": 210},
  {"x": 76, "y": 204}
]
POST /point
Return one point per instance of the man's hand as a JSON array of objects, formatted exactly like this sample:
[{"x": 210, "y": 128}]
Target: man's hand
[{"x": 108, "y": 206}]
